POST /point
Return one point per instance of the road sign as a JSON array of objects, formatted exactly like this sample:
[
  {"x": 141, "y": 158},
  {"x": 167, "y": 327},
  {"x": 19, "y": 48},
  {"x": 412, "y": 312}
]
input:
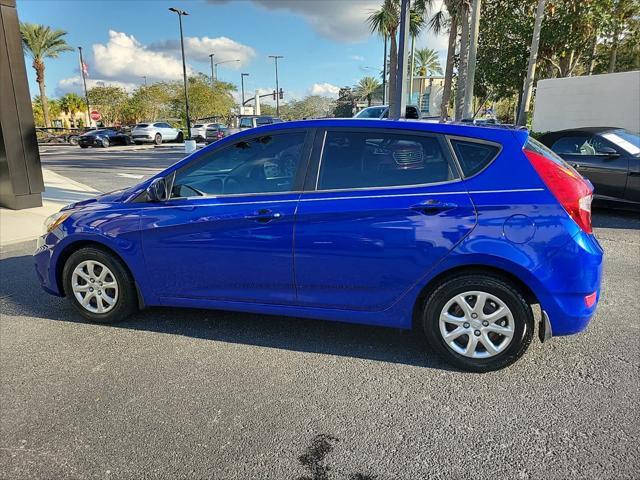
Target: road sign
[{"x": 95, "y": 115}]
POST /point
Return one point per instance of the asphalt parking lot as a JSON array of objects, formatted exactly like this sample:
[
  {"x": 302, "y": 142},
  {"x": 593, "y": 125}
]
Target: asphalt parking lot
[{"x": 175, "y": 393}]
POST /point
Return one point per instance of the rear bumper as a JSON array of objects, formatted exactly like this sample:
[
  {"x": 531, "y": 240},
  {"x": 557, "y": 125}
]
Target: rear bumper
[{"x": 572, "y": 273}]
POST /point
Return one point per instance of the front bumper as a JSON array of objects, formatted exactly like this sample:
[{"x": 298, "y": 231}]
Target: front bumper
[{"x": 42, "y": 258}]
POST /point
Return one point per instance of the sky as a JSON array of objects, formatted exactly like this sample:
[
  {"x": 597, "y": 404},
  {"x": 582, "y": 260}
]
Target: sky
[{"x": 326, "y": 44}]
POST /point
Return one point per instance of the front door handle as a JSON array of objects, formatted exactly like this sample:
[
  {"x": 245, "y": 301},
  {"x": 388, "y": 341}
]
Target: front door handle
[
  {"x": 433, "y": 207},
  {"x": 263, "y": 215}
]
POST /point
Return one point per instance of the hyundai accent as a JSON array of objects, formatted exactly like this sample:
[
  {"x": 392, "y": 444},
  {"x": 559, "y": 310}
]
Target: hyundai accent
[{"x": 452, "y": 230}]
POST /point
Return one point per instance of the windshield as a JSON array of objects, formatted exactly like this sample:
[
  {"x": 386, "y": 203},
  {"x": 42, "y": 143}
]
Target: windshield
[
  {"x": 372, "y": 112},
  {"x": 625, "y": 140},
  {"x": 141, "y": 125}
]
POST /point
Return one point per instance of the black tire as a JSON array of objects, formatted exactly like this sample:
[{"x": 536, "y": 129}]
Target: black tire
[
  {"x": 494, "y": 285},
  {"x": 105, "y": 143},
  {"x": 180, "y": 137},
  {"x": 157, "y": 139},
  {"x": 73, "y": 140},
  {"x": 127, "y": 300}
]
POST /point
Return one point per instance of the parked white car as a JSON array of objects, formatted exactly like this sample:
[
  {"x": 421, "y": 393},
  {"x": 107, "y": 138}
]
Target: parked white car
[
  {"x": 199, "y": 130},
  {"x": 156, "y": 132}
]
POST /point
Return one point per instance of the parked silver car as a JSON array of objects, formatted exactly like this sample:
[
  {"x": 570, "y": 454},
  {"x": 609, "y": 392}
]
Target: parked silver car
[{"x": 156, "y": 132}]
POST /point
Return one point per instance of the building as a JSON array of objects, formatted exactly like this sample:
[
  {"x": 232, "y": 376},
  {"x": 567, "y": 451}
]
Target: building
[{"x": 426, "y": 92}]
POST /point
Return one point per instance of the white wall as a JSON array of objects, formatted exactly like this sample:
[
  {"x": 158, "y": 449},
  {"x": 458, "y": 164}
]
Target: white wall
[{"x": 608, "y": 100}]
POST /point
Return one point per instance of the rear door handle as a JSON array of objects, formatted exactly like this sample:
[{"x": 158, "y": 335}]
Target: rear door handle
[
  {"x": 433, "y": 207},
  {"x": 263, "y": 215}
]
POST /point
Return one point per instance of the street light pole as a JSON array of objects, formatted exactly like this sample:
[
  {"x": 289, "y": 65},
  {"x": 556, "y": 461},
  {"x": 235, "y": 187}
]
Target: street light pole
[
  {"x": 181, "y": 13},
  {"x": 242, "y": 75},
  {"x": 276, "y": 57},
  {"x": 384, "y": 73},
  {"x": 145, "y": 80},
  {"x": 215, "y": 67},
  {"x": 84, "y": 83},
  {"x": 213, "y": 78}
]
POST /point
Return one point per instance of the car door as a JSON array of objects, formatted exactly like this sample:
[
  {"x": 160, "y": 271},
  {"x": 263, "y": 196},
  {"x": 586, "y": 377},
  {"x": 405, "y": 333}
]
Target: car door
[
  {"x": 226, "y": 232},
  {"x": 380, "y": 209},
  {"x": 607, "y": 170}
]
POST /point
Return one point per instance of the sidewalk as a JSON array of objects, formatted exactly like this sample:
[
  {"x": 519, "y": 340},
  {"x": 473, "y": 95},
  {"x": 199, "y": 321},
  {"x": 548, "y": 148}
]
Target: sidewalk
[{"x": 18, "y": 226}]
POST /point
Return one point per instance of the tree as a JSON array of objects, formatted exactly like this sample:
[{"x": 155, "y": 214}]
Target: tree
[
  {"x": 110, "y": 102},
  {"x": 531, "y": 69},
  {"x": 428, "y": 62},
  {"x": 204, "y": 101},
  {"x": 464, "y": 57},
  {"x": 71, "y": 104},
  {"x": 312, "y": 106},
  {"x": 385, "y": 21},
  {"x": 367, "y": 88},
  {"x": 40, "y": 42},
  {"x": 437, "y": 23},
  {"x": 345, "y": 104}
]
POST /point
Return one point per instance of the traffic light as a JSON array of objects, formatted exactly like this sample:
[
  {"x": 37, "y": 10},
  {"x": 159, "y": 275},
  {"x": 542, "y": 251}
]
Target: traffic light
[
  {"x": 274, "y": 94},
  {"x": 281, "y": 94}
]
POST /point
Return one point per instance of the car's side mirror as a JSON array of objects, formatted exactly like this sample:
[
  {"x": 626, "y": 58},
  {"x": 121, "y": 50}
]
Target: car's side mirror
[
  {"x": 608, "y": 152},
  {"x": 157, "y": 190}
]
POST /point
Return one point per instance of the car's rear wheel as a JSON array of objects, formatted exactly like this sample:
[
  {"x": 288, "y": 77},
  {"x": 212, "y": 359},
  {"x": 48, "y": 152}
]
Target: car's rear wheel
[
  {"x": 478, "y": 322},
  {"x": 180, "y": 137},
  {"x": 73, "y": 140},
  {"x": 99, "y": 286},
  {"x": 157, "y": 139}
]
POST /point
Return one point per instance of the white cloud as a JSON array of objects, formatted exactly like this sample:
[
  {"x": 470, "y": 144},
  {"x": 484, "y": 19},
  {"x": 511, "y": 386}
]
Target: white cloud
[
  {"x": 74, "y": 85},
  {"x": 124, "y": 58},
  {"x": 357, "y": 58},
  {"x": 324, "y": 89},
  {"x": 199, "y": 48},
  {"x": 337, "y": 20}
]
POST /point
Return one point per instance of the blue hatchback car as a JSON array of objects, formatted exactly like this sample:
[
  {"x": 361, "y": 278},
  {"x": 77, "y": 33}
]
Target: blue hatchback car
[{"x": 452, "y": 230}]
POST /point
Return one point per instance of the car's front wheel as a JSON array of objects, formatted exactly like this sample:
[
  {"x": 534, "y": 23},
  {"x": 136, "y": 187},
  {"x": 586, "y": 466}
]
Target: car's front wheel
[
  {"x": 99, "y": 286},
  {"x": 157, "y": 139},
  {"x": 105, "y": 143},
  {"x": 478, "y": 322}
]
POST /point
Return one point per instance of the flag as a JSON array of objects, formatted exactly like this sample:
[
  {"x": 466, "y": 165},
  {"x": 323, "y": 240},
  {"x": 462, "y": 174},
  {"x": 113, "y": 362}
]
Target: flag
[{"x": 85, "y": 69}]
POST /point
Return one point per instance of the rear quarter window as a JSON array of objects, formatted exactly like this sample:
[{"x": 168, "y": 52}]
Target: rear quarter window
[{"x": 473, "y": 156}]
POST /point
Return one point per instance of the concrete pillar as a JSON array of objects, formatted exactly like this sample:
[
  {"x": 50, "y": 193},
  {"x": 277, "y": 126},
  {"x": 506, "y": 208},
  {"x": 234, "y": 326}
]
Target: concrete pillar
[{"x": 21, "y": 183}]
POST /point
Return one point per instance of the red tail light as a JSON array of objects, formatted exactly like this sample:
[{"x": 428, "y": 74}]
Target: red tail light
[{"x": 569, "y": 188}]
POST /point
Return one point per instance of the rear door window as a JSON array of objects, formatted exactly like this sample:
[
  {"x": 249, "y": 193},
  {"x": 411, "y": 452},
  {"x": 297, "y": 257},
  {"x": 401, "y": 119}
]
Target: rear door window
[
  {"x": 378, "y": 159},
  {"x": 473, "y": 156}
]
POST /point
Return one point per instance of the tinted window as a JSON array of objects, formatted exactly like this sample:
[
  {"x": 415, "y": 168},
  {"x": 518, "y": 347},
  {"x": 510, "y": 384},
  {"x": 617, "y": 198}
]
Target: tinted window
[
  {"x": 259, "y": 165},
  {"x": 360, "y": 160},
  {"x": 246, "y": 123},
  {"x": 142, "y": 125},
  {"x": 473, "y": 156},
  {"x": 574, "y": 145},
  {"x": 263, "y": 121}
]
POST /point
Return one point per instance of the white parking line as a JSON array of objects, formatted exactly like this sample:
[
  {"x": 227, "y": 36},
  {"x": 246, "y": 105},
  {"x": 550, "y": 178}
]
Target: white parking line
[{"x": 129, "y": 175}]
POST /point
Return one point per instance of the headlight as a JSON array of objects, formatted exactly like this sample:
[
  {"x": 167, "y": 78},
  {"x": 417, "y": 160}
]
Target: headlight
[{"x": 53, "y": 221}]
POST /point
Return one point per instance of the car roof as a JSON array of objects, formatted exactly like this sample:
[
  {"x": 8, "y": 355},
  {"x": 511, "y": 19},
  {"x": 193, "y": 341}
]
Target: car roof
[{"x": 497, "y": 133}]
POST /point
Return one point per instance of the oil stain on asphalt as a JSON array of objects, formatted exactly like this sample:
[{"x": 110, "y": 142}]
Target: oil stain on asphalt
[{"x": 313, "y": 460}]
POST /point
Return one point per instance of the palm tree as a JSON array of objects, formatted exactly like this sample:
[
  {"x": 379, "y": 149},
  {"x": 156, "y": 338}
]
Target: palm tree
[
  {"x": 385, "y": 21},
  {"x": 41, "y": 42},
  {"x": 428, "y": 62},
  {"x": 438, "y": 23},
  {"x": 72, "y": 103},
  {"x": 367, "y": 89}
]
